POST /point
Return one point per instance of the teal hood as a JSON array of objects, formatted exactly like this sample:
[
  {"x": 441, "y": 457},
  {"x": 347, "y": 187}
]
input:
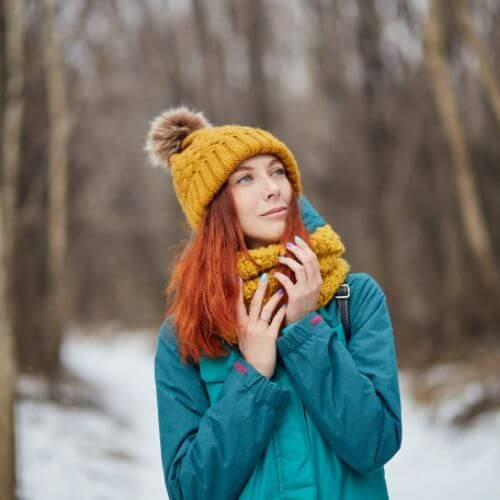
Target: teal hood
[{"x": 312, "y": 219}]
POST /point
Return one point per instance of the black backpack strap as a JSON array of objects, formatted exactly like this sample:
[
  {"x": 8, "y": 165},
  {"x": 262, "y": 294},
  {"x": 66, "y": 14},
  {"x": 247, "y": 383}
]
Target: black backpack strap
[{"x": 342, "y": 295}]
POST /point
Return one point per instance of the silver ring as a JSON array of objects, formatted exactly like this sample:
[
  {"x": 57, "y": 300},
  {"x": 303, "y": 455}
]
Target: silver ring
[{"x": 265, "y": 319}]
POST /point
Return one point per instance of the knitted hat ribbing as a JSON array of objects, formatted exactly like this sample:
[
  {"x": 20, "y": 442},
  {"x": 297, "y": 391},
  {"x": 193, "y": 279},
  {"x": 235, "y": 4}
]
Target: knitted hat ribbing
[{"x": 201, "y": 157}]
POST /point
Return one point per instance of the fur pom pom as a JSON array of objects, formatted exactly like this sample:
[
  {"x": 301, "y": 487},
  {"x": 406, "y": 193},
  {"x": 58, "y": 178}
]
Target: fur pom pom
[{"x": 168, "y": 130}]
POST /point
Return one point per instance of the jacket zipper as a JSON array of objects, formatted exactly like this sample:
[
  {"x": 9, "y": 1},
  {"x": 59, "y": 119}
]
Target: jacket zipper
[{"x": 308, "y": 437}]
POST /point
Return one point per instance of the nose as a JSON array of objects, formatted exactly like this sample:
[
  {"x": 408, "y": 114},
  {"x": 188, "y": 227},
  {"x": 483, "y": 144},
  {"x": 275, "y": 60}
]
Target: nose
[{"x": 271, "y": 188}]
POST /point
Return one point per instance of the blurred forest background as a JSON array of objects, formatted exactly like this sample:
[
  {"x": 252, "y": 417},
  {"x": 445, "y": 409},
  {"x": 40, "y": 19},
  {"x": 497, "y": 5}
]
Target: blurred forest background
[{"x": 392, "y": 108}]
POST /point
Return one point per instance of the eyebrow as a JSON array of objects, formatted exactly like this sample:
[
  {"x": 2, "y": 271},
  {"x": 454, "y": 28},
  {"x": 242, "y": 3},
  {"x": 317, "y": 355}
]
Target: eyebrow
[{"x": 249, "y": 167}]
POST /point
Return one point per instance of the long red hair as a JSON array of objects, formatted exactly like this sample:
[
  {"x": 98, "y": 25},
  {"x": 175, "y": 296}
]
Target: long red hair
[{"x": 203, "y": 289}]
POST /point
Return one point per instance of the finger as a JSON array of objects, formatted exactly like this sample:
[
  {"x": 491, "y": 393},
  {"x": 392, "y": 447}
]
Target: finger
[
  {"x": 242, "y": 308},
  {"x": 285, "y": 281},
  {"x": 313, "y": 269},
  {"x": 278, "y": 318},
  {"x": 297, "y": 268},
  {"x": 267, "y": 310},
  {"x": 306, "y": 256},
  {"x": 256, "y": 303},
  {"x": 302, "y": 244}
]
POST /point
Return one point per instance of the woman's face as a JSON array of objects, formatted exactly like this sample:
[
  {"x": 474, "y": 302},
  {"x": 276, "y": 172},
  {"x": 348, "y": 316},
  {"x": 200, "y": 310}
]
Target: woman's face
[{"x": 258, "y": 185}]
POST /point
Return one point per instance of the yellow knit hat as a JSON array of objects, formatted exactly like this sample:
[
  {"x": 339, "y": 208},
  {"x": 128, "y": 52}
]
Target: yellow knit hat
[{"x": 201, "y": 157}]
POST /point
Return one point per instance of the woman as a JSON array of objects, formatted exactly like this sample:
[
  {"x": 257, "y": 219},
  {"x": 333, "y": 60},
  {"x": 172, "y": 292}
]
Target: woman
[{"x": 259, "y": 394}]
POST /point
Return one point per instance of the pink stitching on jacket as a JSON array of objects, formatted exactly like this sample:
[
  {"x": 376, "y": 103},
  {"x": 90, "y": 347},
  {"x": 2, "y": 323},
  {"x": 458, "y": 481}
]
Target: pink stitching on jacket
[
  {"x": 316, "y": 319},
  {"x": 239, "y": 367}
]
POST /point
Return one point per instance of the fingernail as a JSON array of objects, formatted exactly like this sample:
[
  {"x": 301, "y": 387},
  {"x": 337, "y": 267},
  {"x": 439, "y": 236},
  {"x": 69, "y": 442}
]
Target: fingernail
[
  {"x": 281, "y": 291},
  {"x": 289, "y": 244},
  {"x": 298, "y": 238},
  {"x": 263, "y": 277},
  {"x": 281, "y": 258}
]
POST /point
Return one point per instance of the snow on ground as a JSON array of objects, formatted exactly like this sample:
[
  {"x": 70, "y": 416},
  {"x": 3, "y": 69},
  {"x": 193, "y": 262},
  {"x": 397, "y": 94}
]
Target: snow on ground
[
  {"x": 108, "y": 448},
  {"x": 439, "y": 462},
  {"x": 84, "y": 454}
]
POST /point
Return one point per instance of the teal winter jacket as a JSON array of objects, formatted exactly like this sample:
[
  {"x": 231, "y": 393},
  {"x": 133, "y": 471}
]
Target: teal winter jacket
[{"x": 322, "y": 427}]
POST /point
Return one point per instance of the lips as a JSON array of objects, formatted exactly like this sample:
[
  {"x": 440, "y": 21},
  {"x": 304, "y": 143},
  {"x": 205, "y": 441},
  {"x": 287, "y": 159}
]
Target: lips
[{"x": 274, "y": 210}]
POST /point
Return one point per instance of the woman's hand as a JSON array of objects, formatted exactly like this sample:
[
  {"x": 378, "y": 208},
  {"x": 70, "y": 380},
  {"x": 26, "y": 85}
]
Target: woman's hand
[
  {"x": 257, "y": 337},
  {"x": 303, "y": 295}
]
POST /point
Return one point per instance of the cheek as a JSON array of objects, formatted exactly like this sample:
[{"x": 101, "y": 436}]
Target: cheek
[
  {"x": 245, "y": 204},
  {"x": 287, "y": 191}
]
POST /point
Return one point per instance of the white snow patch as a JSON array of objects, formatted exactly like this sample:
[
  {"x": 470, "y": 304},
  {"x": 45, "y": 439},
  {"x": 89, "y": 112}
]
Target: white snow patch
[
  {"x": 437, "y": 461},
  {"x": 89, "y": 454}
]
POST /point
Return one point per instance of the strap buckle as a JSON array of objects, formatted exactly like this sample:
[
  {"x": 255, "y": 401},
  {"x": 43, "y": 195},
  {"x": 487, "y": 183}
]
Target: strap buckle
[{"x": 343, "y": 291}]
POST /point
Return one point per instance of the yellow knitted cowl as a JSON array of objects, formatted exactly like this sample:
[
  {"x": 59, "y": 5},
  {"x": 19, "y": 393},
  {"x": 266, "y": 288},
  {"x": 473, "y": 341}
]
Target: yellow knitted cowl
[{"x": 327, "y": 246}]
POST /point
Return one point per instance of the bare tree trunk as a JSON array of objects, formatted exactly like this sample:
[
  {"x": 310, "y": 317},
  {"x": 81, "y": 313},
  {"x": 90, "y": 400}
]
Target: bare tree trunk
[
  {"x": 487, "y": 75},
  {"x": 205, "y": 45},
  {"x": 7, "y": 373},
  {"x": 328, "y": 54},
  {"x": 452, "y": 284},
  {"x": 476, "y": 232},
  {"x": 369, "y": 41},
  {"x": 13, "y": 114},
  {"x": 257, "y": 39},
  {"x": 57, "y": 158},
  {"x": 14, "y": 106},
  {"x": 161, "y": 43}
]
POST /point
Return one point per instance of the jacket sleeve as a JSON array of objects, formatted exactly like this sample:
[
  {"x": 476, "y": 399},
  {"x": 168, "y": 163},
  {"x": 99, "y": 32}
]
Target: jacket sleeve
[
  {"x": 352, "y": 395},
  {"x": 205, "y": 450}
]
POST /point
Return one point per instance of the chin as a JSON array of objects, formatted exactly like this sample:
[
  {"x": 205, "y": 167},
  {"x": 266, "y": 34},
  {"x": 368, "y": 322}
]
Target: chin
[
  {"x": 267, "y": 233},
  {"x": 270, "y": 236}
]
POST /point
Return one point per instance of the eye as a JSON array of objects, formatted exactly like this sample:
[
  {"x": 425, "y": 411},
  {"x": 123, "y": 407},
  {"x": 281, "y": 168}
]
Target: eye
[
  {"x": 241, "y": 178},
  {"x": 281, "y": 171}
]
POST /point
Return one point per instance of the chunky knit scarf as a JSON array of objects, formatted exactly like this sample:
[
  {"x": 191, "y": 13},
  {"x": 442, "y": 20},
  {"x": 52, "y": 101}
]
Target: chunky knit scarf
[{"x": 325, "y": 243}]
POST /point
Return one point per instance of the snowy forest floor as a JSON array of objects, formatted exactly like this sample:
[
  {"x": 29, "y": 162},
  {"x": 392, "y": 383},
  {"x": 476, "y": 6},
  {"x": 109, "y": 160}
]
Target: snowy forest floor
[{"x": 100, "y": 441}]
